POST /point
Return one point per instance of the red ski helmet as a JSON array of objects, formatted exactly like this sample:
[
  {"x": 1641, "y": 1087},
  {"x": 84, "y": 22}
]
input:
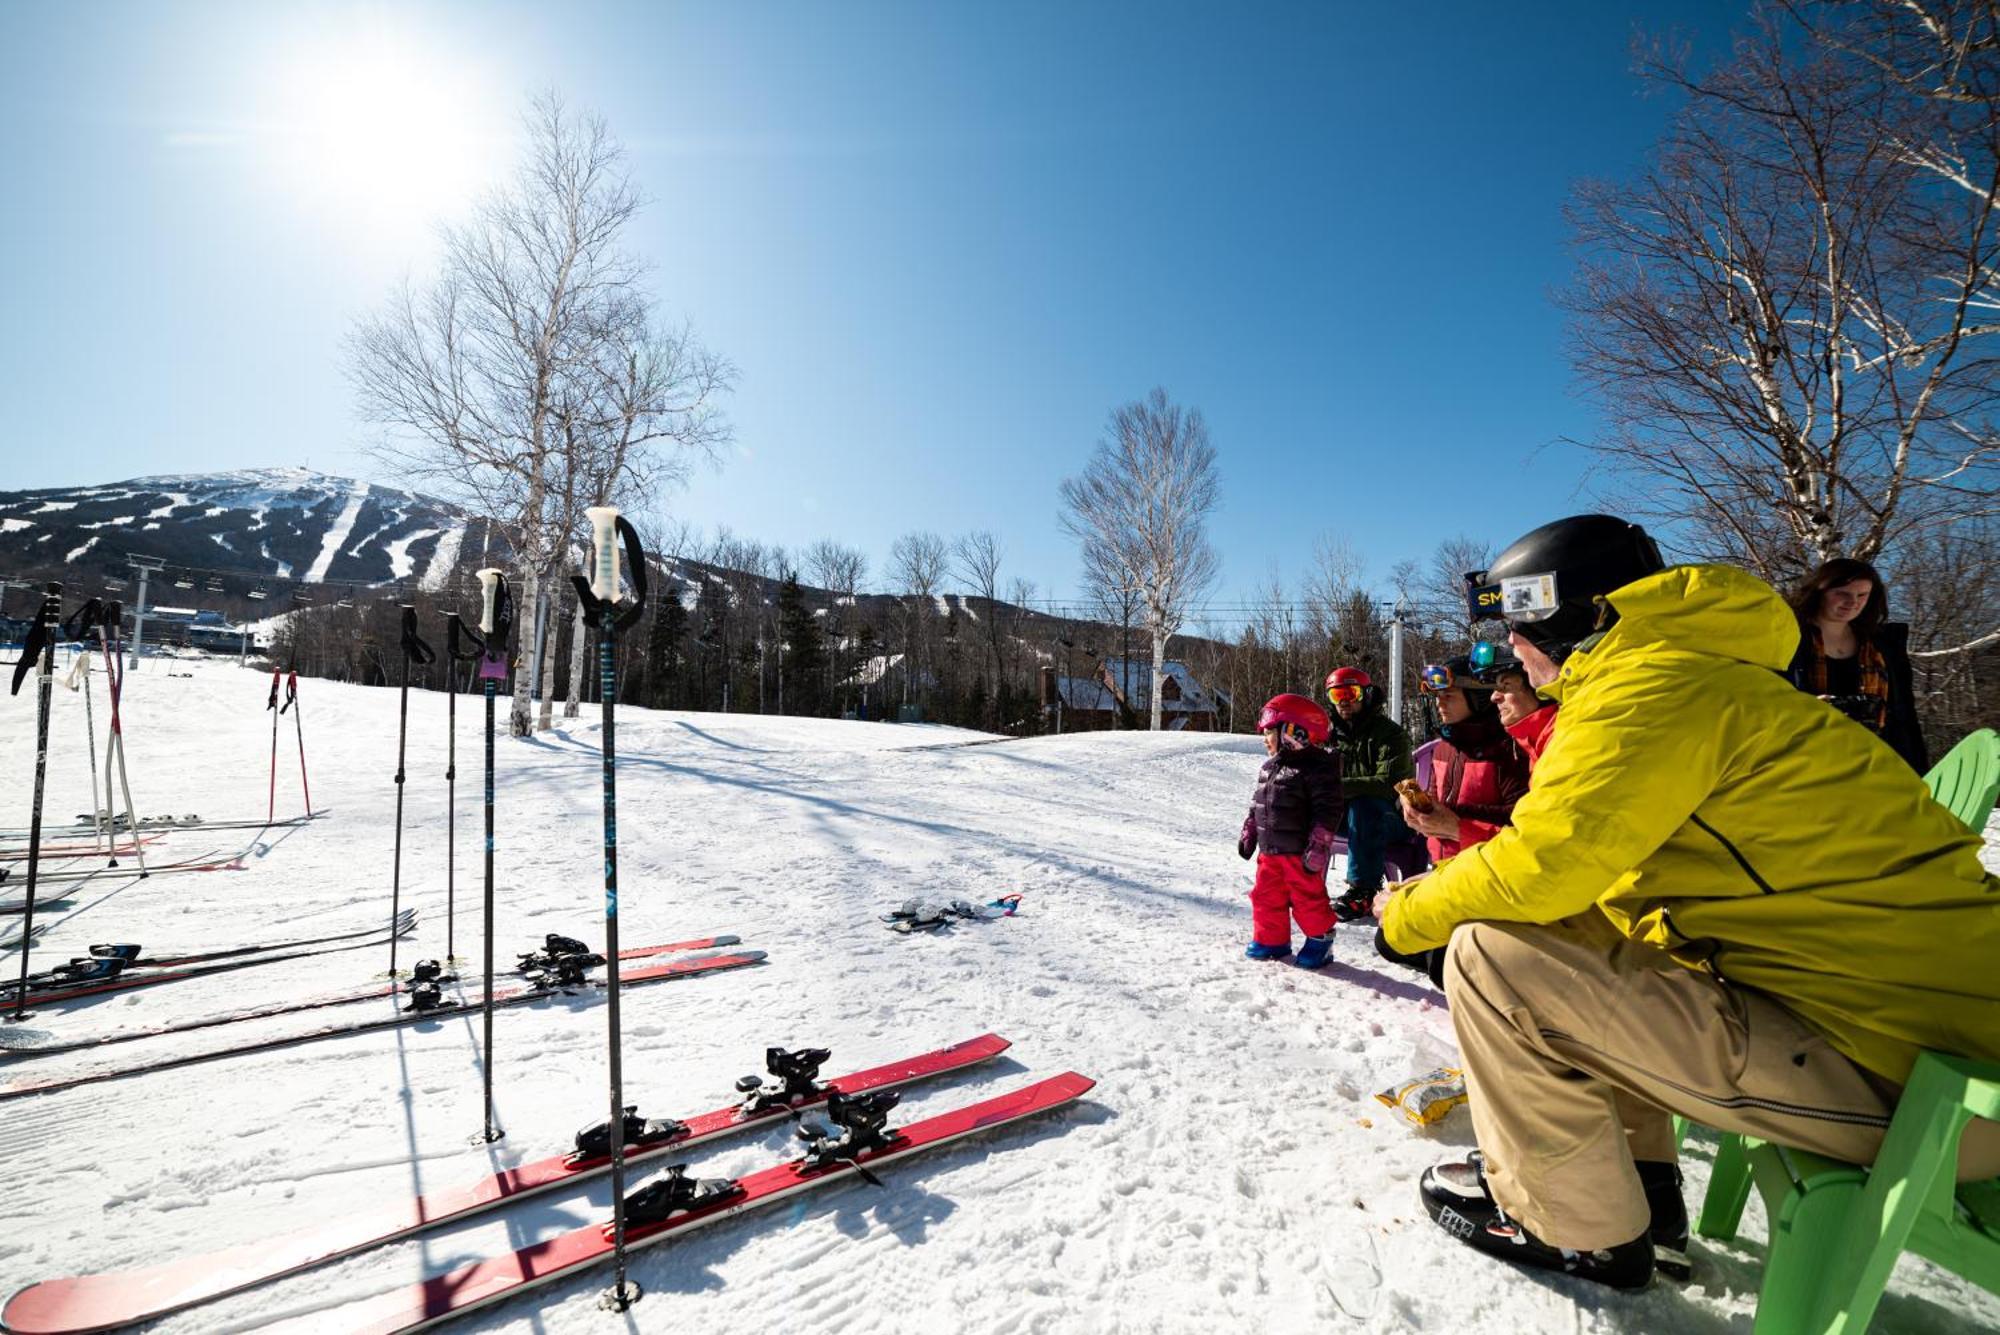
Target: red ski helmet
[
  {"x": 1343, "y": 679},
  {"x": 1294, "y": 711}
]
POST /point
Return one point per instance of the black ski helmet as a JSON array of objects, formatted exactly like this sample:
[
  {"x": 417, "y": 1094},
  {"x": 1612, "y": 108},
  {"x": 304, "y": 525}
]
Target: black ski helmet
[{"x": 1548, "y": 582}]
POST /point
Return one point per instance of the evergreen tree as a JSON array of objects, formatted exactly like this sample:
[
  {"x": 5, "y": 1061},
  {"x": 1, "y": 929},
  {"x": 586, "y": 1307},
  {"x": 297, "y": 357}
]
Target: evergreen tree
[{"x": 804, "y": 662}]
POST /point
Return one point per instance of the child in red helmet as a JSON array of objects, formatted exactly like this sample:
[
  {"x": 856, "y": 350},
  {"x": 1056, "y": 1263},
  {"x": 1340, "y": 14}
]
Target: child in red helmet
[{"x": 1293, "y": 818}]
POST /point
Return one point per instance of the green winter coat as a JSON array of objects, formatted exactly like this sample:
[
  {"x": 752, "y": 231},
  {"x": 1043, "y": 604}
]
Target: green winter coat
[
  {"x": 1708, "y": 808},
  {"x": 1374, "y": 754}
]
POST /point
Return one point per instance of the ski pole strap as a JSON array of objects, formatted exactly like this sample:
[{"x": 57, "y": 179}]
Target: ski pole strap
[
  {"x": 80, "y": 621},
  {"x": 272, "y": 702},
  {"x": 414, "y": 647},
  {"x": 291, "y": 691},
  {"x": 44, "y": 625},
  {"x": 456, "y": 634}
]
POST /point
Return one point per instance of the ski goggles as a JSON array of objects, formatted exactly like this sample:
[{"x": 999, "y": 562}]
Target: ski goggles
[
  {"x": 1517, "y": 598},
  {"x": 1435, "y": 677},
  {"x": 1345, "y": 694}
]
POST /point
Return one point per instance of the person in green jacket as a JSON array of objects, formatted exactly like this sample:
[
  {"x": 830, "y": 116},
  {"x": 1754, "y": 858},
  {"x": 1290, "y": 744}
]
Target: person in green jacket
[
  {"x": 1374, "y": 754},
  {"x": 1719, "y": 898}
]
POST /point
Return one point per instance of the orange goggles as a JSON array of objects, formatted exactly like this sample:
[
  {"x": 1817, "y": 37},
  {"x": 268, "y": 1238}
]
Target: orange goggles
[{"x": 1344, "y": 695}]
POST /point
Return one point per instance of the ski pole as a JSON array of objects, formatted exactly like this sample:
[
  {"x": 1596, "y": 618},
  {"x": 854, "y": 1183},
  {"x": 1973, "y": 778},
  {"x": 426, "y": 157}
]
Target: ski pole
[
  {"x": 496, "y": 623},
  {"x": 414, "y": 650},
  {"x": 41, "y": 646},
  {"x": 75, "y": 628},
  {"x": 271, "y": 707},
  {"x": 456, "y": 637},
  {"x": 298, "y": 725},
  {"x": 109, "y": 637},
  {"x": 600, "y": 596},
  {"x": 79, "y": 679}
]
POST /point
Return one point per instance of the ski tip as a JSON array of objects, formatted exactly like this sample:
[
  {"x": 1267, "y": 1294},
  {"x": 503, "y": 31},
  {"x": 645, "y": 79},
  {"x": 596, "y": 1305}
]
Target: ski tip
[{"x": 1070, "y": 1084}]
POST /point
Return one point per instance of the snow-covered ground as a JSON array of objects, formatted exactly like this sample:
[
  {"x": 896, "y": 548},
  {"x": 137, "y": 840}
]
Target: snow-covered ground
[{"x": 1231, "y": 1171}]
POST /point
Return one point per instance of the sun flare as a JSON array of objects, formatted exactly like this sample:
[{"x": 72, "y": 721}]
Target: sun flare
[{"x": 378, "y": 129}]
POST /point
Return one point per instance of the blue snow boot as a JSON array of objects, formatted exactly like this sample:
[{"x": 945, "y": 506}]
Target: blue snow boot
[
  {"x": 1259, "y": 951},
  {"x": 1314, "y": 952}
]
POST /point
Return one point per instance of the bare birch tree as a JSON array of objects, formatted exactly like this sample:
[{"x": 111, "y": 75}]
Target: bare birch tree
[
  {"x": 975, "y": 559},
  {"x": 1790, "y": 318},
  {"x": 530, "y": 363},
  {"x": 917, "y": 563},
  {"x": 839, "y": 570},
  {"x": 1145, "y": 497}
]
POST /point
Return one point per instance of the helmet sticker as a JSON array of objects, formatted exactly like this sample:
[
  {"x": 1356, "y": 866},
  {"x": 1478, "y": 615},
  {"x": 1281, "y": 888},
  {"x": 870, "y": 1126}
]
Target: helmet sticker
[{"x": 1528, "y": 597}]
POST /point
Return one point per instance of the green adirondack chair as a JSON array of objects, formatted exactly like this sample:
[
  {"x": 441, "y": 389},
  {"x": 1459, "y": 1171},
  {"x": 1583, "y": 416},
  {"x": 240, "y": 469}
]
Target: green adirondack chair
[
  {"x": 1967, "y": 783},
  {"x": 1837, "y": 1229}
]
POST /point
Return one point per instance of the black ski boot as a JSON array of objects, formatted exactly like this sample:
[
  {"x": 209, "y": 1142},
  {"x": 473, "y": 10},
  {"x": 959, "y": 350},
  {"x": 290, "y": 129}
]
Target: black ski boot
[
  {"x": 1462, "y": 1185},
  {"x": 798, "y": 1079},
  {"x": 594, "y": 1141},
  {"x": 1355, "y": 906},
  {"x": 659, "y": 1200},
  {"x": 1669, "y": 1226},
  {"x": 1481, "y": 1224}
]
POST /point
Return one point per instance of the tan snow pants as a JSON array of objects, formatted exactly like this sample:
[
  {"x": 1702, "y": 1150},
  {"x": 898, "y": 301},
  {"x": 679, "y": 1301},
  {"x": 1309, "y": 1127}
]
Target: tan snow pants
[{"x": 1579, "y": 1045}]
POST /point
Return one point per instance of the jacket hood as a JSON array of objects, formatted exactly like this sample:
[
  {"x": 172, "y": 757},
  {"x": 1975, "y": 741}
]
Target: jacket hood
[{"x": 1703, "y": 609}]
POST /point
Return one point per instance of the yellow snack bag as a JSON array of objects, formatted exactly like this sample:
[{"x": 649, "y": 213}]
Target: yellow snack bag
[{"x": 1427, "y": 1099}]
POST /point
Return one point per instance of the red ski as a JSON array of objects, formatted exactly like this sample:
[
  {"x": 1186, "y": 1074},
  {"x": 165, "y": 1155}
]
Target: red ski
[
  {"x": 102, "y": 1302},
  {"x": 482, "y": 1284},
  {"x": 293, "y": 1007},
  {"x": 508, "y": 996}
]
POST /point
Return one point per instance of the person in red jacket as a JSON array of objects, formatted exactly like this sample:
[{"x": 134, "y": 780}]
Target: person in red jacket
[
  {"x": 1478, "y": 771},
  {"x": 1529, "y": 719}
]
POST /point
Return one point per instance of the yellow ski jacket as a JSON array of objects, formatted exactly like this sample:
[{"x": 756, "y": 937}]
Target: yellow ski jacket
[{"x": 1710, "y": 808}]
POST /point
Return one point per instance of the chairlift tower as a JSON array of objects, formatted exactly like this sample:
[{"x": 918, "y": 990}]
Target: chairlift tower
[{"x": 146, "y": 566}]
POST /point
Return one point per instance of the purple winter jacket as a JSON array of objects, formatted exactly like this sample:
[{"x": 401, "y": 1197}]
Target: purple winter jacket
[{"x": 1297, "y": 791}]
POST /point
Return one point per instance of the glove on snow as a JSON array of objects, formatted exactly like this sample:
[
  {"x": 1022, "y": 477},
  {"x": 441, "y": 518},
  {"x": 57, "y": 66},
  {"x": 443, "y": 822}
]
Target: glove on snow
[
  {"x": 1319, "y": 850},
  {"x": 1246, "y": 842}
]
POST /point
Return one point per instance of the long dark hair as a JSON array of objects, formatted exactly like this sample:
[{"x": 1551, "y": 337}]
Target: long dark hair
[{"x": 1841, "y": 570}]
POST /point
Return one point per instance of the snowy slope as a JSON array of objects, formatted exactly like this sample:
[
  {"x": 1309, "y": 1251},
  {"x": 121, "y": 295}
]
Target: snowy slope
[
  {"x": 223, "y": 533},
  {"x": 1230, "y": 1171}
]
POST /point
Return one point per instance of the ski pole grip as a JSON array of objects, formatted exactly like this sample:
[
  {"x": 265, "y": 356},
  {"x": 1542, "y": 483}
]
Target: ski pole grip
[
  {"x": 604, "y": 539},
  {"x": 489, "y": 593}
]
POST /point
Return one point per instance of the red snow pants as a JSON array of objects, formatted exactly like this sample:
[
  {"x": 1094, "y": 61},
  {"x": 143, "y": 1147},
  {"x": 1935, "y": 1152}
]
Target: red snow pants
[{"x": 1285, "y": 890}]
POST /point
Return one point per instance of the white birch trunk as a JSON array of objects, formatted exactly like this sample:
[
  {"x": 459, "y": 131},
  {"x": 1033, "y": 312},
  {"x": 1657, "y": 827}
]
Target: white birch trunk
[
  {"x": 1159, "y": 676},
  {"x": 519, "y": 720},
  {"x": 545, "y": 715},
  {"x": 579, "y": 643}
]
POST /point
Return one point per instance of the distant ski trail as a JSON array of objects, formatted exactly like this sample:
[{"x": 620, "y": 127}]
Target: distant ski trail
[{"x": 336, "y": 537}]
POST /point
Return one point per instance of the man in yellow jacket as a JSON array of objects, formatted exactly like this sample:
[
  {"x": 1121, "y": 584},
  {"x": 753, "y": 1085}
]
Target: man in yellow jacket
[{"x": 1720, "y": 898}]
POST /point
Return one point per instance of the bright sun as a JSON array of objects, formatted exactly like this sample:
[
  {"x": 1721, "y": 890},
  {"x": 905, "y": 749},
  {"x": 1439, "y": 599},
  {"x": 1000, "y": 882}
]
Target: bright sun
[{"x": 378, "y": 130}]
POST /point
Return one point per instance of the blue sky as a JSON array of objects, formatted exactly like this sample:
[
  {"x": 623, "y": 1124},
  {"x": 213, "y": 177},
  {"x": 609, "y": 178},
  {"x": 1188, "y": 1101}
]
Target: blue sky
[{"x": 940, "y": 242}]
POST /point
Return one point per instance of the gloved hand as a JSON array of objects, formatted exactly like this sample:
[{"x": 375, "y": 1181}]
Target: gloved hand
[
  {"x": 1319, "y": 850},
  {"x": 1246, "y": 842}
]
